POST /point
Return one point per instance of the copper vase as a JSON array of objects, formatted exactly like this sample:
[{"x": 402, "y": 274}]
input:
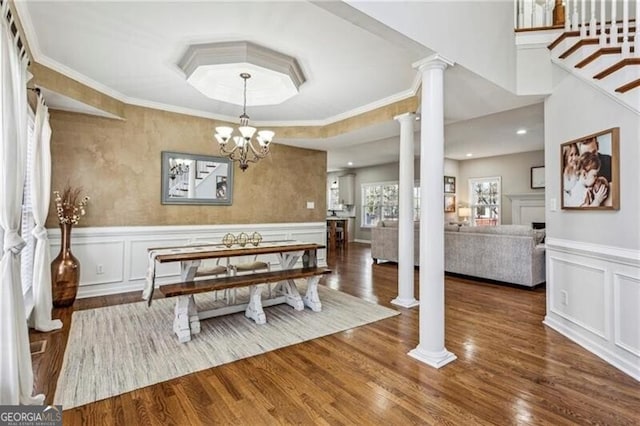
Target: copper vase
[{"x": 65, "y": 271}]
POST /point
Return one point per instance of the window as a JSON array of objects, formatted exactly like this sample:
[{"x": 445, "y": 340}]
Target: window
[
  {"x": 380, "y": 202},
  {"x": 484, "y": 195},
  {"x": 26, "y": 256}
]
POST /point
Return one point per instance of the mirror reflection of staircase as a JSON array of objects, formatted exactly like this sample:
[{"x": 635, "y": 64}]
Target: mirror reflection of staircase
[{"x": 179, "y": 182}]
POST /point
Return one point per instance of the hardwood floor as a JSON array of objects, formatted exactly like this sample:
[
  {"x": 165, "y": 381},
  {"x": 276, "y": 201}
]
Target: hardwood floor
[{"x": 511, "y": 369}]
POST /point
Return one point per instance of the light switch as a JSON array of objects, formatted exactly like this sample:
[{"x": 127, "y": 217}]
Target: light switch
[
  {"x": 311, "y": 205},
  {"x": 553, "y": 204}
]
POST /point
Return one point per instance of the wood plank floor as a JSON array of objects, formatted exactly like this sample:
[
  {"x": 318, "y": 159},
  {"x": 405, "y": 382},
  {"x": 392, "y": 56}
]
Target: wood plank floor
[{"x": 511, "y": 369}]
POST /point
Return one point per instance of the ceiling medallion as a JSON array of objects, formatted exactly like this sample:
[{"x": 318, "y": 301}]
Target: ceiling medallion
[{"x": 213, "y": 68}]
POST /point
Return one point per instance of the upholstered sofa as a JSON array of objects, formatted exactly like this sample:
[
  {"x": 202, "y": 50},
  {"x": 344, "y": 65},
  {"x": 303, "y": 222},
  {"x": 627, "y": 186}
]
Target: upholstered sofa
[
  {"x": 384, "y": 241},
  {"x": 508, "y": 253}
]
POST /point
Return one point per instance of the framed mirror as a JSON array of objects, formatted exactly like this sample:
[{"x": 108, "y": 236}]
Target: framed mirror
[{"x": 196, "y": 179}]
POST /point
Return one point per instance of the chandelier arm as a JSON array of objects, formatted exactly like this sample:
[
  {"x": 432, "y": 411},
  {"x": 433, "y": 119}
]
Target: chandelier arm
[
  {"x": 257, "y": 154},
  {"x": 228, "y": 152},
  {"x": 236, "y": 155}
]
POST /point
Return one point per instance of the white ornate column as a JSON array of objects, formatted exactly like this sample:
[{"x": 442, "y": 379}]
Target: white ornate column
[
  {"x": 430, "y": 349},
  {"x": 405, "y": 220}
]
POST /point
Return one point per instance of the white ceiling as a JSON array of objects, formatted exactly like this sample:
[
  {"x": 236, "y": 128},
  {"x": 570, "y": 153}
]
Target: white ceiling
[{"x": 352, "y": 63}]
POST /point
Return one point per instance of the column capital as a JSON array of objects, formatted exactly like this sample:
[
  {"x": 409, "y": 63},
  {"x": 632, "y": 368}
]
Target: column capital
[
  {"x": 436, "y": 61},
  {"x": 405, "y": 116}
]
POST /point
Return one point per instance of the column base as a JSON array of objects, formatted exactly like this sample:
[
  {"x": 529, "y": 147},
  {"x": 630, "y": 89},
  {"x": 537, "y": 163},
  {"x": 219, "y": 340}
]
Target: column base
[
  {"x": 434, "y": 359},
  {"x": 405, "y": 303}
]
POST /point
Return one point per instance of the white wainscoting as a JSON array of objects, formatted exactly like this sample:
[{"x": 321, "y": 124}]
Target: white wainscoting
[
  {"x": 114, "y": 259},
  {"x": 593, "y": 298},
  {"x": 527, "y": 208}
]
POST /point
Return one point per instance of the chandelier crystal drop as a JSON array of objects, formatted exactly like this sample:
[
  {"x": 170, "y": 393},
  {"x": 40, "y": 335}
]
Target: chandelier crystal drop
[{"x": 244, "y": 151}]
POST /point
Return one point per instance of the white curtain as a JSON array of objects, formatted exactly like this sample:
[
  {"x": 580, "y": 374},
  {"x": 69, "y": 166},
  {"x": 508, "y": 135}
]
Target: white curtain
[
  {"x": 40, "y": 317},
  {"x": 16, "y": 372}
]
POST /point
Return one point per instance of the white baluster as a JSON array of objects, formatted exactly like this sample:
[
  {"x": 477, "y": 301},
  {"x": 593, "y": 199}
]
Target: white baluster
[
  {"x": 574, "y": 16},
  {"x": 583, "y": 13},
  {"x": 613, "y": 33},
  {"x": 592, "y": 22},
  {"x": 548, "y": 16},
  {"x": 567, "y": 17},
  {"x": 519, "y": 13},
  {"x": 603, "y": 23},
  {"x": 532, "y": 16},
  {"x": 626, "y": 47},
  {"x": 636, "y": 43}
]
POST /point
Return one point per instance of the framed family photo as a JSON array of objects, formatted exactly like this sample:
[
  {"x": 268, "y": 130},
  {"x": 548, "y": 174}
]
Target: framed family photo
[
  {"x": 450, "y": 184},
  {"x": 590, "y": 170}
]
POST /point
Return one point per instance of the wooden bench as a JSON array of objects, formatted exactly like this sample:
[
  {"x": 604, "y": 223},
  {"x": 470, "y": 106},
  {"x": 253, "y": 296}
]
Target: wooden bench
[{"x": 187, "y": 318}]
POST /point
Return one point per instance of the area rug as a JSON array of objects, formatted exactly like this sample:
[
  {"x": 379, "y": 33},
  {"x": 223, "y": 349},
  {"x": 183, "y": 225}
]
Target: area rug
[{"x": 120, "y": 348}]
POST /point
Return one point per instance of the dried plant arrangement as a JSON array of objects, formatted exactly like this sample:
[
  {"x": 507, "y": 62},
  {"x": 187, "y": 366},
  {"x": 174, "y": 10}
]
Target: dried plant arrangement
[{"x": 70, "y": 206}]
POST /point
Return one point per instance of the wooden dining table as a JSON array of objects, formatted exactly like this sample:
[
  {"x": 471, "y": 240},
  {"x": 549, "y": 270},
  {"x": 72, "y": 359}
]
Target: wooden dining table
[{"x": 188, "y": 316}]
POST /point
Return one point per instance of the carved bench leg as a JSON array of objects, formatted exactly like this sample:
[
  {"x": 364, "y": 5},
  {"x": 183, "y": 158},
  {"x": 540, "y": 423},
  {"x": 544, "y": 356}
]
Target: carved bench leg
[
  {"x": 311, "y": 298},
  {"x": 194, "y": 320},
  {"x": 181, "y": 322},
  {"x": 254, "y": 308},
  {"x": 293, "y": 298}
]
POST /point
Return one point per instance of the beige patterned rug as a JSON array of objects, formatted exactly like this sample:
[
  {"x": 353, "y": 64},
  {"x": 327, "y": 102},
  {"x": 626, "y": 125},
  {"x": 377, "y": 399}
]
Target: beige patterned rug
[{"x": 117, "y": 349}]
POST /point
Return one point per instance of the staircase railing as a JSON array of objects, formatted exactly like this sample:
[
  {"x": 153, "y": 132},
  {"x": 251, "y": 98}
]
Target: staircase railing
[{"x": 588, "y": 18}]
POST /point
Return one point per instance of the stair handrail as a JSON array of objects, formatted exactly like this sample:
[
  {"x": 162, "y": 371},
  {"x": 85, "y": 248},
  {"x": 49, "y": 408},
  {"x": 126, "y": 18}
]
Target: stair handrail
[{"x": 582, "y": 16}]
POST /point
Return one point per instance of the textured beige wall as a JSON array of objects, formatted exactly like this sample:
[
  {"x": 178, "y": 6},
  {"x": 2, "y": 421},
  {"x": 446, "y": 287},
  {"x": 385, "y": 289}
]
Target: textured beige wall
[
  {"x": 53, "y": 80},
  {"x": 117, "y": 163}
]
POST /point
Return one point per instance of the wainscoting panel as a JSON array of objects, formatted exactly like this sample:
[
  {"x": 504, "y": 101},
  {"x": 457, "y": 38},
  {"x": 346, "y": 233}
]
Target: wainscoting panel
[
  {"x": 593, "y": 298},
  {"x": 115, "y": 259},
  {"x": 626, "y": 290},
  {"x": 578, "y": 294},
  {"x": 101, "y": 262},
  {"x": 139, "y": 258}
]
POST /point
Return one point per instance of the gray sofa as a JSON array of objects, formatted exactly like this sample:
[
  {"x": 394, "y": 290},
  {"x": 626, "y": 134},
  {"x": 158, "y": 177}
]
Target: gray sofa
[
  {"x": 384, "y": 241},
  {"x": 508, "y": 253}
]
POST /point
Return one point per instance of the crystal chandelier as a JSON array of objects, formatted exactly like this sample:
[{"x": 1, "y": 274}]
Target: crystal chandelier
[{"x": 243, "y": 150}]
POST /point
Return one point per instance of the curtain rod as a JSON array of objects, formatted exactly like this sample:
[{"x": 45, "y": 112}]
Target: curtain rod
[{"x": 14, "y": 30}]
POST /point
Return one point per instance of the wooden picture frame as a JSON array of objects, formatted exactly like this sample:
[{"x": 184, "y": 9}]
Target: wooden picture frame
[
  {"x": 590, "y": 172},
  {"x": 537, "y": 177},
  {"x": 196, "y": 179},
  {"x": 449, "y": 203},
  {"x": 449, "y": 185}
]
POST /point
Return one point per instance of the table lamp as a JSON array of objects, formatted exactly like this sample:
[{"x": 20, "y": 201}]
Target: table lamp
[{"x": 464, "y": 213}]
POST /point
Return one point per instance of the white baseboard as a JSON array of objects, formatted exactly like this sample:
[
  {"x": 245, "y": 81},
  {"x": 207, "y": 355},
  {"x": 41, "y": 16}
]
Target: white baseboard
[{"x": 612, "y": 358}]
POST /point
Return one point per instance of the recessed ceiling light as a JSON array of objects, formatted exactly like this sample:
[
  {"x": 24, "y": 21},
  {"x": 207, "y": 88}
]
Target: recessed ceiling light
[
  {"x": 522, "y": 131},
  {"x": 469, "y": 154},
  {"x": 350, "y": 163}
]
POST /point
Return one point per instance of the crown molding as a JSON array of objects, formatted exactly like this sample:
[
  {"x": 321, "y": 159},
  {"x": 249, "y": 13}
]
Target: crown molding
[
  {"x": 44, "y": 60},
  {"x": 81, "y": 78}
]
